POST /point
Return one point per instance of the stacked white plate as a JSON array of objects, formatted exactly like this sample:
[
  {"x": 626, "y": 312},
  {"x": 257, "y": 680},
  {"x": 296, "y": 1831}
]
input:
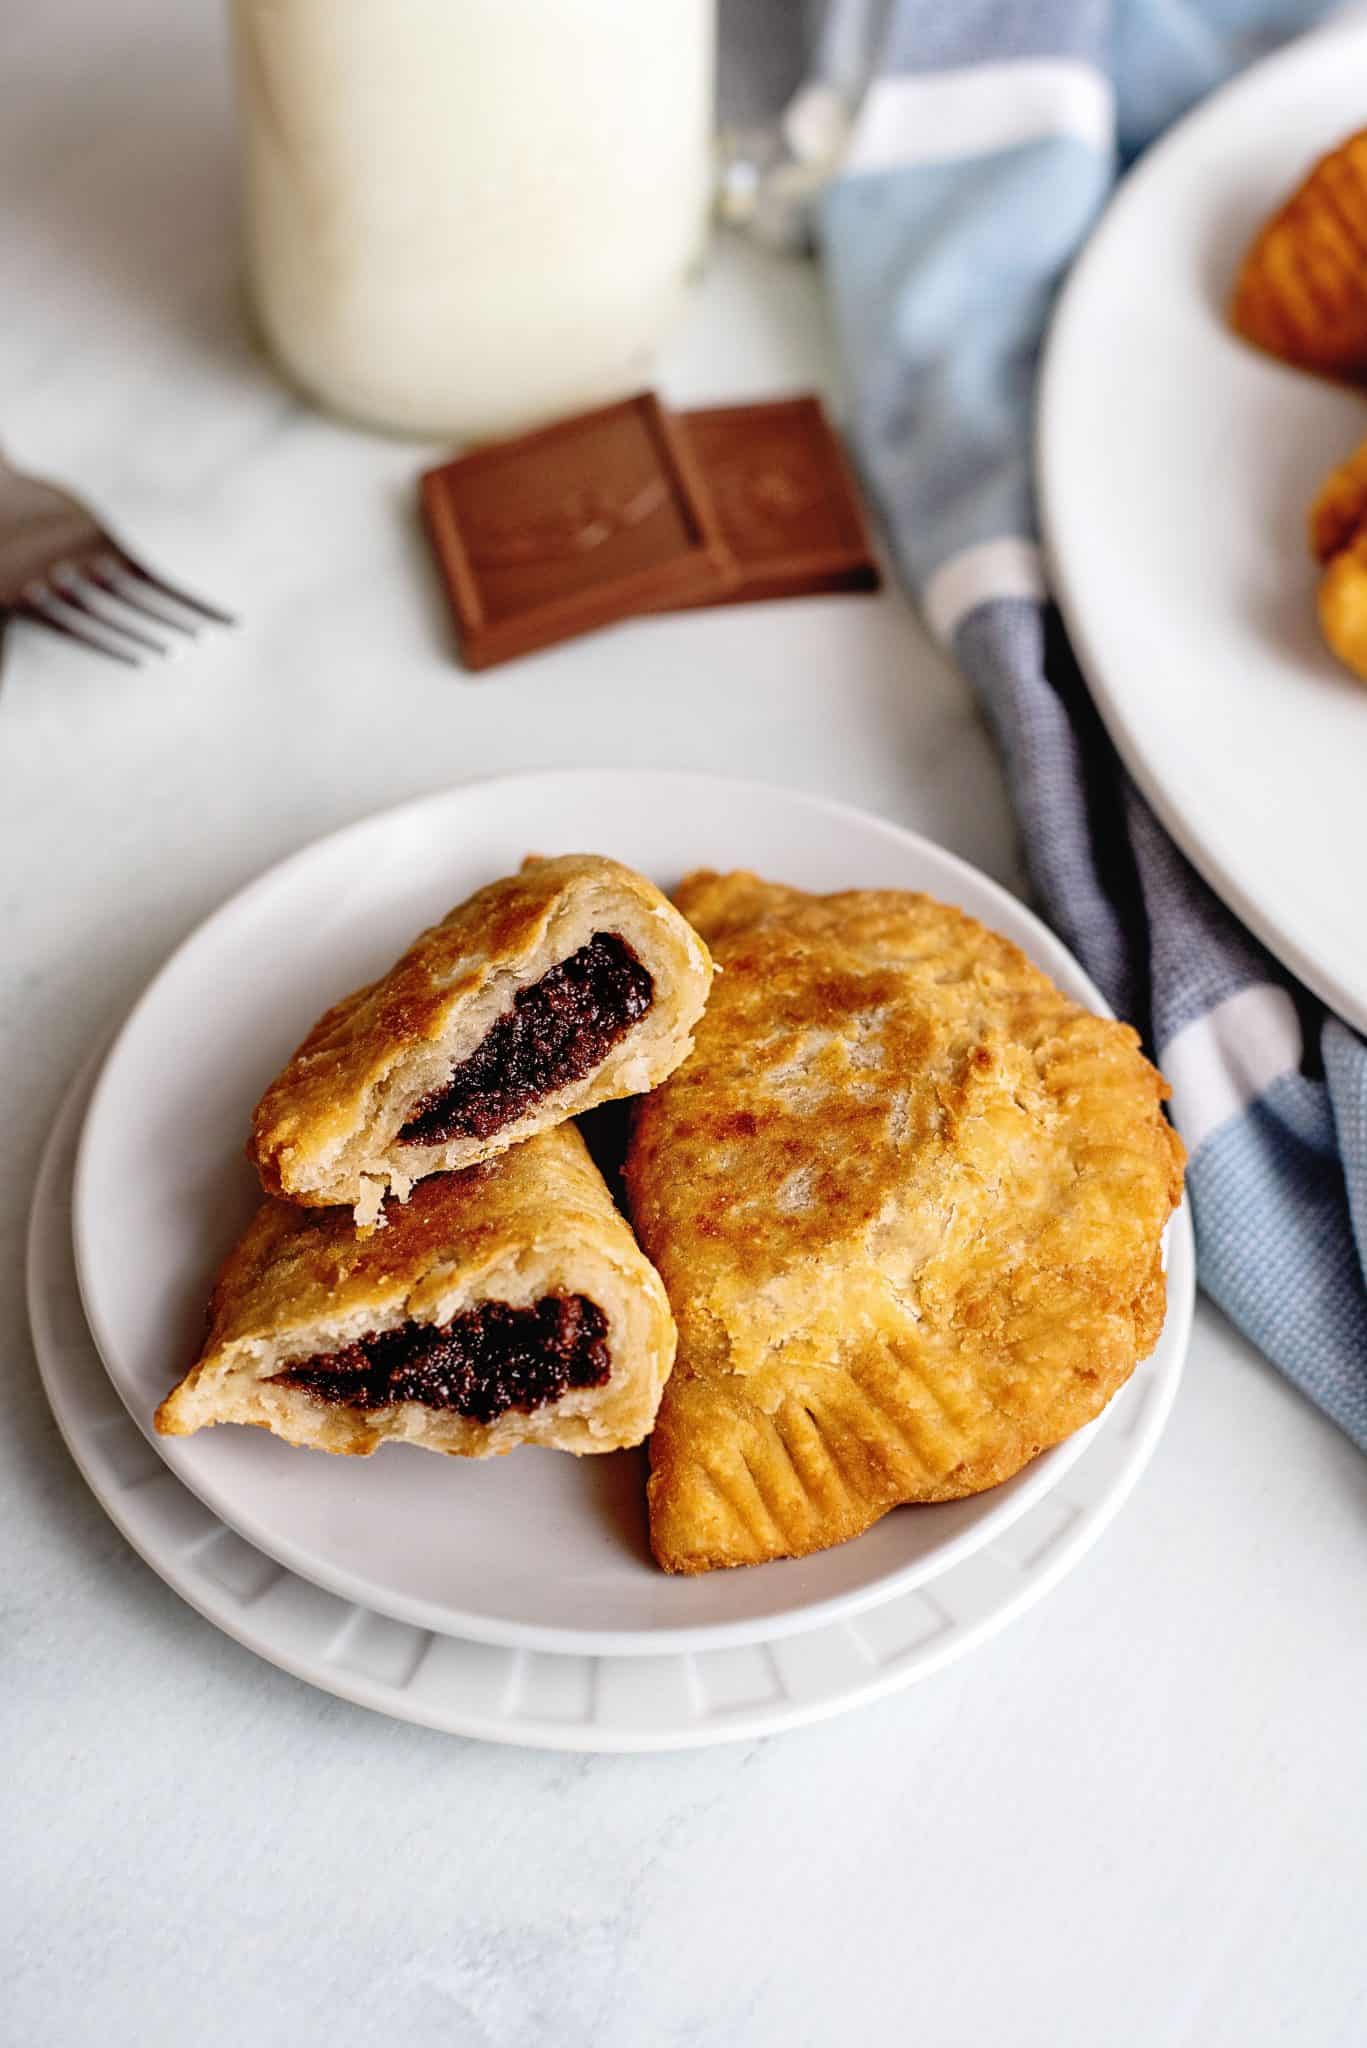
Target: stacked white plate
[{"x": 515, "y": 1601}]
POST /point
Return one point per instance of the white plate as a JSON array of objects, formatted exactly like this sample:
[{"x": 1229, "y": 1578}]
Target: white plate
[
  {"x": 559, "y": 1702},
  {"x": 538, "y": 1550},
  {"x": 1176, "y": 467}
]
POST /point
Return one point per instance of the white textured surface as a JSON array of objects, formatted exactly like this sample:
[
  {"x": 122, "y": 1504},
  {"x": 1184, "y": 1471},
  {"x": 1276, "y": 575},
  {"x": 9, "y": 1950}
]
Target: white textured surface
[{"x": 1136, "y": 1818}]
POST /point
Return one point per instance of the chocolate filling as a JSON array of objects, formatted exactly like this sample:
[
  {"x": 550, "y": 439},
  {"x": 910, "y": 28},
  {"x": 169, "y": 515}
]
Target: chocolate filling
[
  {"x": 557, "y": 1031},
  {"x": 482, "y": 1363}
]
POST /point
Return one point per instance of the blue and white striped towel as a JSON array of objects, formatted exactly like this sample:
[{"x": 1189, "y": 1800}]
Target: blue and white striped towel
[{"x": 985, "y": 140}]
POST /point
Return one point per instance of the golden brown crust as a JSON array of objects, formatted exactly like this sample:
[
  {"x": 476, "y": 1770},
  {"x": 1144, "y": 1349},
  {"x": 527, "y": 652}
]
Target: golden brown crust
[
  {"x": 1342, "y": 604},
  {"x": 1301, "y": 293},
  {"x": 539, "y": 1220},
  {"x": 907, "y": 1201},
  {"x": 324, "y": 1131},
  {"x": 1338, "y": 540},
  {"x": 1339, "y": 510}
]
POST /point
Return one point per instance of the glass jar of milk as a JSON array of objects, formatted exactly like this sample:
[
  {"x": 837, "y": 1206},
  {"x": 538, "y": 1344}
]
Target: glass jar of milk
[{"x": 464, "y": 216}]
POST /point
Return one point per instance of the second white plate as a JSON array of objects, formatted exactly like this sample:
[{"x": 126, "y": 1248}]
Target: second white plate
[
  {"x": 1176, "y": 469},
  {"x": 537, "y": 1551}
]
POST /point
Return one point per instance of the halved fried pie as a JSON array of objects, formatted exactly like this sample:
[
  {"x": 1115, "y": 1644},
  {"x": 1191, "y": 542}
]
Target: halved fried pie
[
  {"x": 502, "y": 1305},
  {"x": 567, "y": 984}
]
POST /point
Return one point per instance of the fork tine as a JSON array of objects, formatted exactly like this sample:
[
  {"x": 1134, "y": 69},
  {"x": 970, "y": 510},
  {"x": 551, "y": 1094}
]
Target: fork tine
[
  {"x": 178, "y": 596},
  {"x": 39, "y": 614},
  {"x": 70, "y": 591},
  {"x": 127, "y": 589}
]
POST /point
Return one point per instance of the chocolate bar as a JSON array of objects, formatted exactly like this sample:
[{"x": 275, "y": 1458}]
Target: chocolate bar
[
  {"x": 556, "y": 532},
  {"x": 629, "y": 509}
]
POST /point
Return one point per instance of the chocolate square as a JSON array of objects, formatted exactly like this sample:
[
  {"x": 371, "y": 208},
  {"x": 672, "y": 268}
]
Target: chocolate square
[
  {"x": 784, "y": 497},
  {"x": 581, "y": 523}
]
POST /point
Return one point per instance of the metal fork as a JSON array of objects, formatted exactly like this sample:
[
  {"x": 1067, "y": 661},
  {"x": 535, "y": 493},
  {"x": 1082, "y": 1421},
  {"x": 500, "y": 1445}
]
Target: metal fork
[{"x": 64, "y": 570}]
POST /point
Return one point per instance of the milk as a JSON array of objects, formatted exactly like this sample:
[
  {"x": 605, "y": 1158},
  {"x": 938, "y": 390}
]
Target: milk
[{"x": 467, "y": 215}]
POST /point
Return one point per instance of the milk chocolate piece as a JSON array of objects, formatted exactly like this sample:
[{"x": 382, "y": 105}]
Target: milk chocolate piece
[
  {"x": 574, "y": 526},
  {"x": 785, "y": 499}
]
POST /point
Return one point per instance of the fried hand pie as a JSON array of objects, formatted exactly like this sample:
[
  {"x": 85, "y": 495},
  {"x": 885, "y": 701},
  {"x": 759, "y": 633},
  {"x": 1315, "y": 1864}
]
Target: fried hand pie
[{"x": 907, "y": 1200}]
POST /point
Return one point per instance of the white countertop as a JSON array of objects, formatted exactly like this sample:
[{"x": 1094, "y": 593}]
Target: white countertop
[{"x": 1136, "y": 1818}]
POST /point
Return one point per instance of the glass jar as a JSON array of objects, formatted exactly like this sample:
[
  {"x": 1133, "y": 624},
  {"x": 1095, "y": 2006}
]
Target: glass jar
[{"x": 464, "y": 216}]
